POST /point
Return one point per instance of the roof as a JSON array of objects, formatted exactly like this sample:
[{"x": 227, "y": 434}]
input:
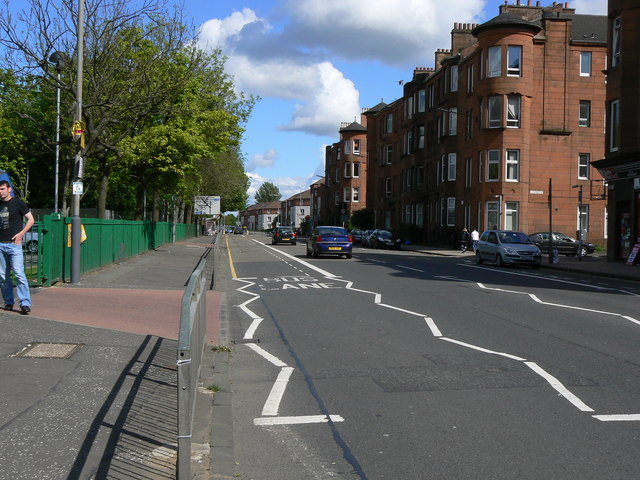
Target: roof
[
  {"x": 354, "y": 127},
  {"x": 376, "y": 108},
  {"x": 506, "y": 20},
  {"x": 589, "y": 28}
]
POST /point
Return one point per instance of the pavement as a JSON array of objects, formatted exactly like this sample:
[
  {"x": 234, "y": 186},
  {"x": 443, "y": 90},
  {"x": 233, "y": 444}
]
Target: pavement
[{"x": 88, "y": 383}]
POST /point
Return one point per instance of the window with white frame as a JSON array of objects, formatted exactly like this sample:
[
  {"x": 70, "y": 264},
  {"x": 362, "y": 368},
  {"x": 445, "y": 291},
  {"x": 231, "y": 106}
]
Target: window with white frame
[
  {"x": 356, "y": 169},
  {"x": 337, "y": 198},
  {"x": 583, "y": 166},
  {"x": 347, "y": 170},
  {"x": 511, "y": 216},
  {"x": 493, "y": 165},
  {"x": 451, "y": 211},
  {"x": 389, "y": 155},
  {"x": 431, "y": 95},
  {"x": 409, "y": 106},
  {"x": 356, "y": 146},
  {"x": 583, "y": 219},
  {"x": 480, "y": 166},
  {"x": 615, "y": 42},
  {"x": 420, "y": 176},
  {"x": 444, "y": 170},
  {"x": 494, "y": 61},
  {"x": 347, "y": 194},
  {"x": 614, "y": 125},
  {"x": 585, "y": 64},
  {"x": 451, "y": 167},
  {"x": 355, "y": 194},
  {"x": 419, "y": 215},
  {"x": 409, "y": 179},
  {"x": 513, "y": 166},
  {"x": 584, "y": 119},
  {"x": 387, "y": 186},
  {"x": 338, "y": 153},
  {"x": 453, "y": 121},
  {"x": 454, "y": 78},
  {"x": 408, "y": 217},
  {"x": 337, "y": 175},
  {"x": 513, "y": 111},
  {"x": 422, "y": 100},
  {"x": 389, "y": 123},
  {"x": 494, "y": 111},
  {"x": 469, "y": 123},
  {"x": 347, "y": 147},
  {"x": 410, "y": 141},
  {"x": 493, "y": 215},
  {"x": 470, "y": 78},
  {"x": 467, "y": 172},
  {"x": 421, "y": 136},
  {"x": 514, "y": 61}
]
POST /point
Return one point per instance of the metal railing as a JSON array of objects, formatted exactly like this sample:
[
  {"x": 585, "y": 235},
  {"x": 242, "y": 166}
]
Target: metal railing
[{"x": 191, "y": 341}]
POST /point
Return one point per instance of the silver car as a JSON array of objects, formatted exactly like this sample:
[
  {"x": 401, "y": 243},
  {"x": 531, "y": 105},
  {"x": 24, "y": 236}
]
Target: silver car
[{"x": 506, "y": 247}]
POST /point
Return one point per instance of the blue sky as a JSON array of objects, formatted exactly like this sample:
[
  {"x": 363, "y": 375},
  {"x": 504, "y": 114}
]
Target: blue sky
[{"x": 317, "y": 63}]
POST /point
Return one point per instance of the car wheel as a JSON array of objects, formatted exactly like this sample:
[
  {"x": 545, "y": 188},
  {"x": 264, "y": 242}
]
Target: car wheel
[
  {"x": 315, "y": 253},
  {"x": 32, "y": 246},
  {"x": 293, "y": 243},
  {"x": 348, "y": 255},
  {"x": 499, "y": 261},
  {"x": 478, "y": 258},
  {"x": 308, "y": 252},
  {"x": 583, "y": 251}
]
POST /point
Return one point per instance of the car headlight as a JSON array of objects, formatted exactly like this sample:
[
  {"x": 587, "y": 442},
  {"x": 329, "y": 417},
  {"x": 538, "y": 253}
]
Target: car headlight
[{"x": 510, "y": 251}]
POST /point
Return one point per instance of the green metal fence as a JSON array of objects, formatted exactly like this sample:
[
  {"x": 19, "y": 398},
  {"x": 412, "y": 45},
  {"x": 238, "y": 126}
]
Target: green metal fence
[{"x": 106, "y": 242}]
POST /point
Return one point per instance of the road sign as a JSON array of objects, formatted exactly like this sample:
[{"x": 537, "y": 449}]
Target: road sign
[{"x": 207, "y": 205}]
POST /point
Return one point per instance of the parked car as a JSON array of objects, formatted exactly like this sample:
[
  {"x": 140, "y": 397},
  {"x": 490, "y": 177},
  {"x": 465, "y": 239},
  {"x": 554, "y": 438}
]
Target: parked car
[
  {"x": 506, "y": 247},
  {"x": 30, "y": 240},
  {"x": 283, "y": 235},
  {"x": 356, "y": 235},
  {"x": 563, "y": 243},
  {"x": 364, "y": 240},
  {"x": 329, "y": 241},
  {"x": 238, "y": 230},
  {"x": 384, "y": 239}
]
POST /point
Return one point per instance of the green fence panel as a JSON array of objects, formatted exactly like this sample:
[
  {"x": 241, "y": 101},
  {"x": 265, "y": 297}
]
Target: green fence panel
[{"x": 106, "y": 242}]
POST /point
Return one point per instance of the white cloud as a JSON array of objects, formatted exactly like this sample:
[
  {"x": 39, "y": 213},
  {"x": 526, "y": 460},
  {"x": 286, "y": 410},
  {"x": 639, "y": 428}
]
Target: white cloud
[
  {"x": 266, "y": 159},
  {"x": 589, "y": 7}
]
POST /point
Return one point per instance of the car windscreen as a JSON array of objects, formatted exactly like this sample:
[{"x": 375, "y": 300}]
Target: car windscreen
[
  {"x": 513, "y": 237},
  {"x": 332, "y": 231},
  {"x": 384, "y": 234}
]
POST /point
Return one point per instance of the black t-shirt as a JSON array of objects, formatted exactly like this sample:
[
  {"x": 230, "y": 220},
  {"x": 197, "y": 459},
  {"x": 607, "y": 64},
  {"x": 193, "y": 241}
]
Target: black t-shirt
[{"x": 12, "y": 214}]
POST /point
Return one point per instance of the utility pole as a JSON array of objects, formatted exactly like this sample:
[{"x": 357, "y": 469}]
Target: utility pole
[{"x": 76, "y": 224}]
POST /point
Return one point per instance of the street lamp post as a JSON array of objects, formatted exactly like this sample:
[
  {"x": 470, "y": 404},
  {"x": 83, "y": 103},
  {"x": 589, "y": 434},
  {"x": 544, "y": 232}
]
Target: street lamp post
[
  {"x": 579, "y": 252},
  {"x": 58, "y": 61}
]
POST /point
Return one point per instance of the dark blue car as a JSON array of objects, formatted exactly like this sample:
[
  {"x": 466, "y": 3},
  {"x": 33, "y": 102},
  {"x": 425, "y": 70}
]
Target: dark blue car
[{"x": 329, "y": 241}]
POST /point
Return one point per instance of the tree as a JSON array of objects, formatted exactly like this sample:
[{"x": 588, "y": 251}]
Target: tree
[{"x": 267, "y": 192}]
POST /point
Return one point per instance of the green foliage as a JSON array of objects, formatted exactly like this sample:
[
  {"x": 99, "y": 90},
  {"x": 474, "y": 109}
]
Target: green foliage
[
  {"x": 268, "y": 192},
  {"x": 363, "y": 219}
]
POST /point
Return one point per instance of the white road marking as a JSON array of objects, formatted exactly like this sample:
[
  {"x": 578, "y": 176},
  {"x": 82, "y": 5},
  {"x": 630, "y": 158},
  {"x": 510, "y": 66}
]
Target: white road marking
[
  {"x": 252, "y": 328},
  {"x": 631, "y": 417},
  {"x": 297, "y": 420},
  {"x": 435, "y": 331},
  {"x": 485, "y": 350},
  {"x": 410, "y": 268},
  {"x": 306, "y": 264},
  {"x": 559, "y": 387},
  {"x": 266, "y": 355},
  {"x": 272, "y": 405}
]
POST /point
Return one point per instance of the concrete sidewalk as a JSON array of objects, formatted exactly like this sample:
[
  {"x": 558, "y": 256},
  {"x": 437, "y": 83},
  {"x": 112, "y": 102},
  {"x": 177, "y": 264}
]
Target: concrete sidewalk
[{"x": 88, "y": 382}]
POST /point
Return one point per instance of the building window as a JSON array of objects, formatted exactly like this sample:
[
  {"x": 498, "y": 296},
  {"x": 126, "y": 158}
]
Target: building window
[
  {"x": 356, "y": 169},
  {"x": 494, "y": 62},
  {"x": 583, "y": 220},
  {"x": 347, "y": 147},
  {"x": 451, "y": 211},
  {"x": 583, "y": 166},
  {"x": 407, "y": 214},
  {"x": 585, "y": 113},
  {"x": 422, "y": 100},
  {"x": 585, "y": 64},
  {"x": 356, "y": 147},
  {"x": 615, "y": 42},
  {"x": 337, "y": 175},
  {"x": 355, "y": 194},
  {"x": 467, "y": 175},
  {"x": 337, "y": 198},
  {"x": 469, "y": 122},
  {"x": 421, "y": 137},
  {"x": 470, "y": 79},
  {"x": 493, "y": 215},
  {"x": 453, "y": 121},
  {"x": 511, "y": 216},
  {"x": 389, "y": 155},
  {"x": 420, "y": 215},
  {"x": 338, "y": 153},
  {"x": 480, "y": 167},
  {"x": 387, "y": 186},
  {"x": 454, "y": 78},
  {"x": 347, "y": 170},
  {"x": 614, "y": 126},
  {"x": 495, "y": 111},
  {"x": 451, "y": 167},
  {"x": 513, "y": 111},
  {"x": 493, "y": 165},
  {"x": 431, "y": 95},
  {"x": 443, "y": 171},
  {"x": 347, "y": 194},
  {"x": 420, "y": 176},
  {"x": 513, "y": 166},
  {"x": 389, "y": 123},
  {"x": 514, "y": 59}
]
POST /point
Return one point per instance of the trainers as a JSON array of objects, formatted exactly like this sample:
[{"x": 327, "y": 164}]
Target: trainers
[
  {"x": 24, "y": 309},
  {"x": 8, "y": 306}
]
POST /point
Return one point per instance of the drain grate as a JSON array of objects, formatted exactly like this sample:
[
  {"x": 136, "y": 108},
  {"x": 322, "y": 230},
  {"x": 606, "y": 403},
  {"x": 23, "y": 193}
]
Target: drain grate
[{"x": 49, "y": 350}]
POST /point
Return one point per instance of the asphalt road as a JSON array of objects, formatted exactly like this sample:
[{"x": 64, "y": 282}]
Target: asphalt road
[{"x": 401, "y": 365}]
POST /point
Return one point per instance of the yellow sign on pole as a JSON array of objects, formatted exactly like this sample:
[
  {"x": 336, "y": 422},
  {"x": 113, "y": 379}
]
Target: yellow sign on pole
[{"x": 83, "y": 235}]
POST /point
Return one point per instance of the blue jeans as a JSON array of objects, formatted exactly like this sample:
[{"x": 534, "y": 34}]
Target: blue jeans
[{"x": 12, "y": 258}]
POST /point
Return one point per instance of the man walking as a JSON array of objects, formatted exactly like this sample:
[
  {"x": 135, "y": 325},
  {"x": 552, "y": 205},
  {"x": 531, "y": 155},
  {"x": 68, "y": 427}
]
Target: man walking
[
  {"x": 13, "y": 211},
  {"x": 475, "y": 237}
]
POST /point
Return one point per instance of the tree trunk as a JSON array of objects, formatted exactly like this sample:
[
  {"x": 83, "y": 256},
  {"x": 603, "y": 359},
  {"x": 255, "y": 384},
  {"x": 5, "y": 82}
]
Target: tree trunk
[
  {"x": 102, "y": 194},
  {"x": 156, "y": 206}
]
